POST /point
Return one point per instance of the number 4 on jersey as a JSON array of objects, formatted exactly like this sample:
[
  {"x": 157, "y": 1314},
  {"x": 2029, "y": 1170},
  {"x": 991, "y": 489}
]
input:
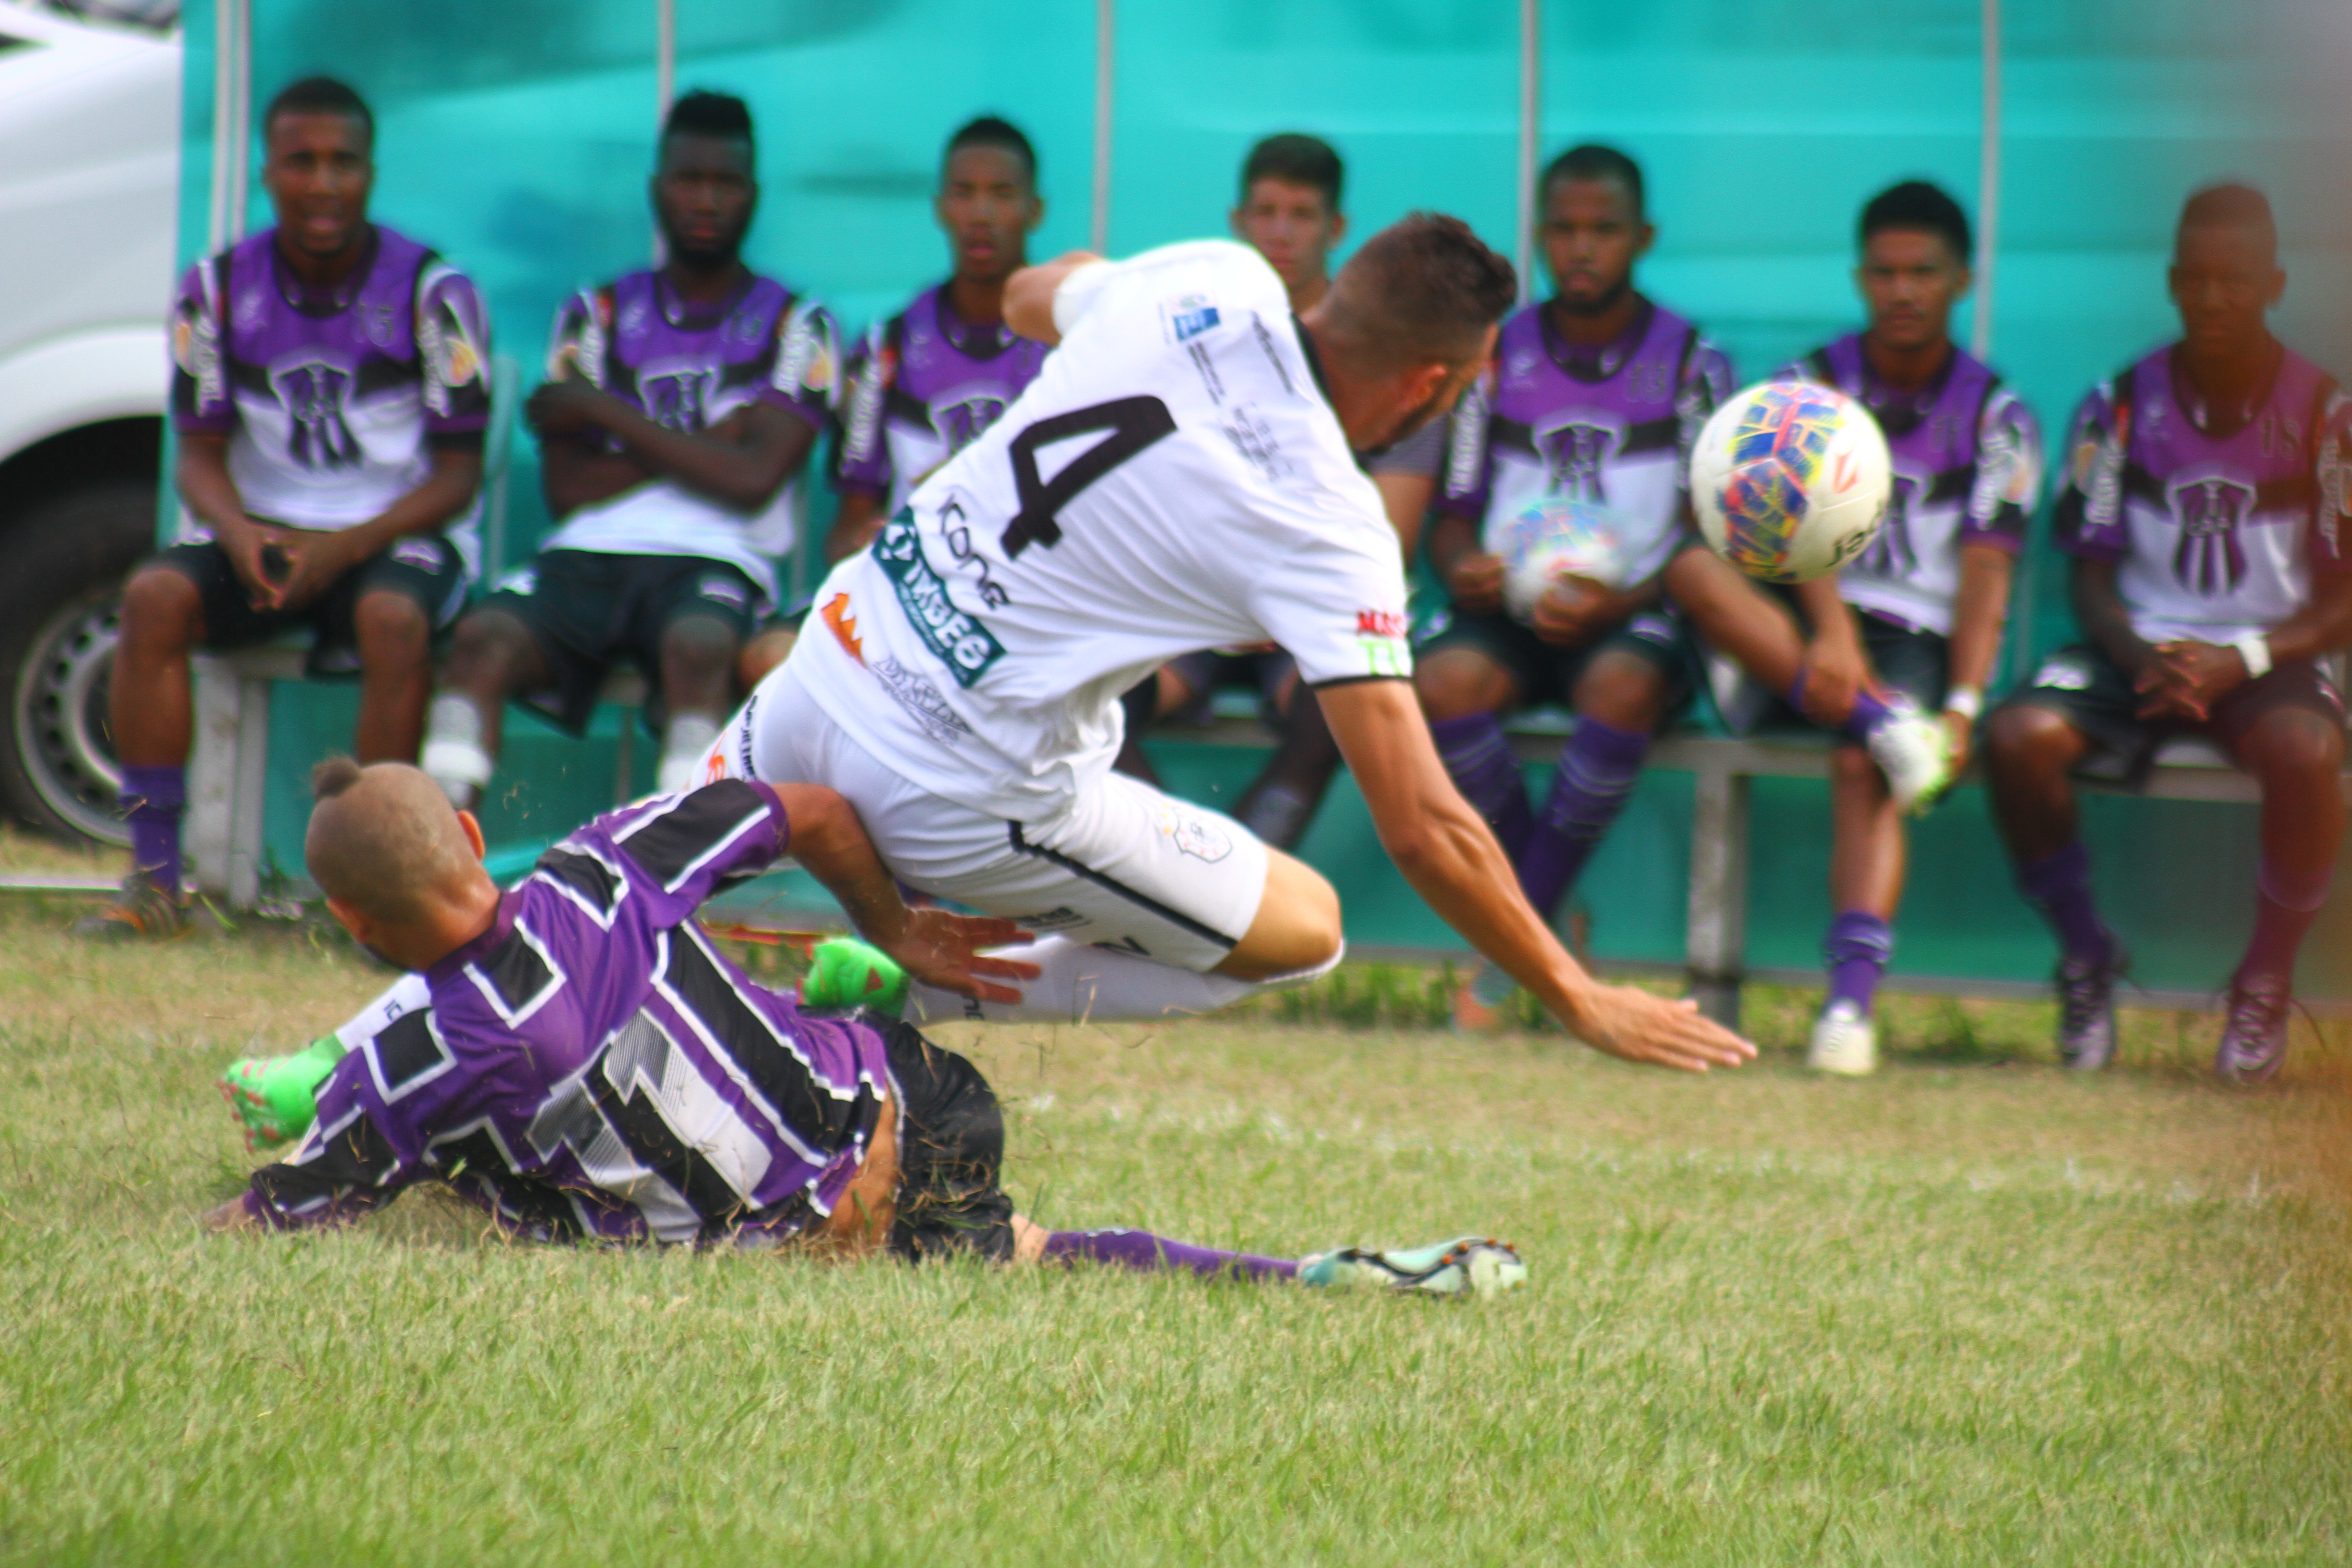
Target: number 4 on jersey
[{"x": 1133, "y": 424}]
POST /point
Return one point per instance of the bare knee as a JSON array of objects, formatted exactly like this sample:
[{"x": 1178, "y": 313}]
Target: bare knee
[
  {"x": 1459, "y": 683},
  {"x": 2024, "y": 741},
  {"x": 1623, "y": 690},
  {"x": 392, "y": 632},
  {"x": 2290, "y": 743},
  {"x": 697, "y": 659},
  {"x": 1297, "y": 928},
  {"x": 162, "y": 611},
  {"x": 489, "y": 654}
]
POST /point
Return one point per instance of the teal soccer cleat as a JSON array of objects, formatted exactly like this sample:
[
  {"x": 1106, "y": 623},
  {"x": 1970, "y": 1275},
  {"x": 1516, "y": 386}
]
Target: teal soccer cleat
[{"x": 1467, "y": 1266}]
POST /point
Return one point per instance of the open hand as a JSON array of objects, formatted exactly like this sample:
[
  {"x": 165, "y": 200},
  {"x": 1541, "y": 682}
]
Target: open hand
[
  {"x": 1640, "y": 1027},
  {"x": 942, "y": 949}
]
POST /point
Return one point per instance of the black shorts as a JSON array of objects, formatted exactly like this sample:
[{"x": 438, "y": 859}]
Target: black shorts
[
  {"x": 1546, "y": 672},
  {"x": 2091, "y": 693},
  {"x": 587, "y": 610},
  {"x": 424, "y": 567},
  {"x": 950, "y": 1151},
  {"x": 1906, "y": 660}
]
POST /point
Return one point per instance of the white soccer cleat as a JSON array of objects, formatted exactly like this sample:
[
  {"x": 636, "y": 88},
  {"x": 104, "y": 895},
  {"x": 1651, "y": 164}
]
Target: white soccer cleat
[
  {"x": 1844, "y": 1041},
  {"x": 1915, "y": 752}
]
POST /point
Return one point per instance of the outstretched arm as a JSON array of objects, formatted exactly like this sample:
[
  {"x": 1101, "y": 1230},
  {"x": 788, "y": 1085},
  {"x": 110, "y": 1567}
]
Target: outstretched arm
[
  {"x": 1451, "y": 858},
  {"x": 1029, "y": 295}
]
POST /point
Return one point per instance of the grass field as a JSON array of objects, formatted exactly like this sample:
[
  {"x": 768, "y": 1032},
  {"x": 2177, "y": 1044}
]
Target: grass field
[{"x": 1971, "y": 1311}]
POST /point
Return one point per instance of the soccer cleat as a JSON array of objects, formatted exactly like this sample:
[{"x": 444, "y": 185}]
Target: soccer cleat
[
  {"x": 275, "y": 1098},
  {"x": 2253, "y": 1040},
  {"x": 1844, "y": 1041},
  {"x": 845, "y": 973},
  {"x": 1477, "y": 1001},
  {"x": 143, "y": 909},
  {"x": 1915, "y": 752},
  {"x": 2087, "y": 1010},
  {"x": 1467, "y": 1266}
]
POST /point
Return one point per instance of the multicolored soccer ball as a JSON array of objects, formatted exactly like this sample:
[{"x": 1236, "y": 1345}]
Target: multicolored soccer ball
[
  {"x": 1791, "y": 480},
  {"x": 1557, "y": 537}
]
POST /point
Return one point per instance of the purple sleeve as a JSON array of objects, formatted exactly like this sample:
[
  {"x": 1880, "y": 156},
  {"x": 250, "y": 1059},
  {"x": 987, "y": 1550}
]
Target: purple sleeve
[
  {"x": 1469, "y": 458},
  {"x": 2330, "y": 552},
  {"x": 808, "y": 375},
  {"x": 453, "y": 345},
  {"x": 863, "y": 460},
  {"x": 2088, "y": 521},
  {"x": 681, "y": 848},
  {"x": 2009, "y": 475},
  {"x": 200, "y": 399}
]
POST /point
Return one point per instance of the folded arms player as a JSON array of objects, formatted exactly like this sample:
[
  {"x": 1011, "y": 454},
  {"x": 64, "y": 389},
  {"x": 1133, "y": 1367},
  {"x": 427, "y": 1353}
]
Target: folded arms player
[{"x": 578, "y": 1058}]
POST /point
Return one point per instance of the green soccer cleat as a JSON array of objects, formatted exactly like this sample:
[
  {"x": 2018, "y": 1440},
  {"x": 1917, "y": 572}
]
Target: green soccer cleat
[
  {"x": 845, "y": 973},
  {"x": 275, "y": 1096},
  {"x": 1467, "y": 1266}
]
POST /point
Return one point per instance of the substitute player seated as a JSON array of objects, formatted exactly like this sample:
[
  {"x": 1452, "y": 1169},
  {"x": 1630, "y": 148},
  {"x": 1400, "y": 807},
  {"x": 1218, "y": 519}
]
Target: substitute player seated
[
  {"x": 1931, "y": 593},
  {"x": 681, "y": 406},
  {"x": 2206, "y": 499},
  {"x": 330, "y": 392},
  {"x": 1180, "y": 475},
  {"x": 579, "y": 1058}
]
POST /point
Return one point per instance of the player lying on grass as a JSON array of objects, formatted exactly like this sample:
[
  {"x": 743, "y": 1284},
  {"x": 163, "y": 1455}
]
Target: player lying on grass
[
  {"x": 1180, "y": 476},
  {"x": 579, "y": 1058}
]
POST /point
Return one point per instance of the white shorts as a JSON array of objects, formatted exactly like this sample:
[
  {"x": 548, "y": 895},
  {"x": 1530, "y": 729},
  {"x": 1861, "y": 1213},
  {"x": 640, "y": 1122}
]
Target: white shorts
[{"x": 1123, "y": 866}]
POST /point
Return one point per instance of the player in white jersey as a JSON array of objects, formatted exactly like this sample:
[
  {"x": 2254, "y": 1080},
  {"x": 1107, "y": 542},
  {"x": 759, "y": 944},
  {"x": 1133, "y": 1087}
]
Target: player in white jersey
[{"x": 1178, "y": 476}]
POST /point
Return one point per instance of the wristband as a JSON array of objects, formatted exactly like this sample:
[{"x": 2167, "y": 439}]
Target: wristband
[
  {"x": 1967, "y": 702},
  {"x": 2256, "y": 650},
  {"x": 1077, "y": 291}
]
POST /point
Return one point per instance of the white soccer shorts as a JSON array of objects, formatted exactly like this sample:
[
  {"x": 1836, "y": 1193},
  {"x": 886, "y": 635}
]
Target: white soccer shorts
[{"x": 1124, "y": 865}]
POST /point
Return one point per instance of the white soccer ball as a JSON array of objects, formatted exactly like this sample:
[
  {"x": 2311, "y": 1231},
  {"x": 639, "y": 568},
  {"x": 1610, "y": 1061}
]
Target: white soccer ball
[
  {"x": 1791, "y": 480},
  {"x": 1556, "y": 538}
]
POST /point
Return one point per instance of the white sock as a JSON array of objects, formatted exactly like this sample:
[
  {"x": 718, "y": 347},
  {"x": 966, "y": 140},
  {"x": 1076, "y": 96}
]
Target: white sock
[
  {"x": 453, "y": 756},
  {"x": 684, "y": 745},
  {"x": 1081, "y": 983}
]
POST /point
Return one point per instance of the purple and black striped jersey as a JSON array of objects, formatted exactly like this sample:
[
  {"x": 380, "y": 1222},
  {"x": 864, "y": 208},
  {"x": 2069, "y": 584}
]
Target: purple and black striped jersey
[
  {"x": 592, "y": 1065},
  {"x": 2217, "y": 533},
  {"x": 922, "y": 387},
  {"x": 1967, "y": 469},
  {"x": 1612, "y": 425},
  {"x": 329, "y": 397}
]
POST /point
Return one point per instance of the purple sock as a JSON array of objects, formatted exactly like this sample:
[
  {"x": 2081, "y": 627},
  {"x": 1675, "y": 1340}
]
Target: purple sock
[
  {"x": 1858, "y": 947},
  {"x": 152, "y": 799},
  {"x": 2285, "y": 904},
  {"x": 2060, "y": 887},
  {"x": 1597, "y": 769},
  {"x": 1869, "y": 710},
  {"x": 1140, "y": 1249},
  {"x": 1478, "y": 756}
]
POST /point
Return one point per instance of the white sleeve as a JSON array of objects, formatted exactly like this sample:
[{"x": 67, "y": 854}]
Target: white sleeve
[
  {"x": 1338, "y": 609},
  {"x": 1078, "y": 294}
]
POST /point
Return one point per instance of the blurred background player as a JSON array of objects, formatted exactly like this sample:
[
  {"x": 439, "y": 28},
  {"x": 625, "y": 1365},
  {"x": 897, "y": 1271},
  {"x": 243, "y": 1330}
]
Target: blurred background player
[
  {"x": 577, "y": 1057},
  {"x": 2206, "y": 497},
  {"x": 681, "y": 406},
  {"x": 1290, "y": 214},
  {"x": 331, "y": 391},
  {"x": 1931, "y": 593}
]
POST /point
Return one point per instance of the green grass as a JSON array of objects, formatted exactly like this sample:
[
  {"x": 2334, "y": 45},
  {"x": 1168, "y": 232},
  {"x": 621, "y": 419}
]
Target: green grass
[{"x": 1971, "y": 1311}]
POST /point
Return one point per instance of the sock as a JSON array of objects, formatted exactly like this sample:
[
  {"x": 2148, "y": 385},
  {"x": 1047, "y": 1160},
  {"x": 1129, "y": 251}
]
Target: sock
[
  {"x": 154, "y": 799},
  {"x": 1858, "y": 947},
  {"x": 1281, "y": 804},
  {"x": 1139, "y": 1249},
  {"x": 1478, "y": 757},
  {"x": 2285, "y": 904},
  {"x": 1081, "y": 983},
  {"x": 453, "y": 756},
  {"x": 1597, "y": 769},
  {"x": 2059, "y": 887},
  {"x": 1870, "y": 711},
  {"x": 684, "y": 745}
]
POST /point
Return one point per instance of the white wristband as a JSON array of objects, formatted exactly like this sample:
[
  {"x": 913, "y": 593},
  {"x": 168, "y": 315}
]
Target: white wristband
[
  {"x": 1077, "y": 293},
  {"x": 1967, "y": 702},
  {"x": 2256, "y": 650}
]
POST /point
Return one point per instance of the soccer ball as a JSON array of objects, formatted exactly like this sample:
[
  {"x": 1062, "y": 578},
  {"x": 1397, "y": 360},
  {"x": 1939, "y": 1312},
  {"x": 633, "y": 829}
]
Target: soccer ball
[
  {"x": 1555, "y": 538},
  {"x": 1791, "y": 479}
]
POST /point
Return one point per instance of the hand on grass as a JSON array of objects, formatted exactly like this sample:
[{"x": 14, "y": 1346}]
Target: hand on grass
[
  {"x": 1632, "y": 1024},
  {"x": 943, "y": 949}
]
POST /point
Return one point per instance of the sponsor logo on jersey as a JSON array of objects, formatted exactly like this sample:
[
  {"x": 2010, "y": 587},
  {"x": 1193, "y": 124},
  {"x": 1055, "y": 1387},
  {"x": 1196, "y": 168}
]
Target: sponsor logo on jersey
[
  {"x": 925, "y": 703},
  {"x": 313, "y": 392},
  {"x": 2210, "y": 560},
  {"x": 1060, "y": 919},
  {"x": 1189, "y": 317},
  {"x": 1380, "y": 624},
  {"x": 1573, "y": 454},
  {"x": 961, "y": 643}
]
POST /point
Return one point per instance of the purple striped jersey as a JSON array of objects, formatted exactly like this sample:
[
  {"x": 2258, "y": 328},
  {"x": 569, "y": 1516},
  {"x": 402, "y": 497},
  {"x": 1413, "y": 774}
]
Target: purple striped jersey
[{"x": 592, "y": 1065}]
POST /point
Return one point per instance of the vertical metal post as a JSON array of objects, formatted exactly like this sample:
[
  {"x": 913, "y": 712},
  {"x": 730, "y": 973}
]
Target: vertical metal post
[
  {"x": 1523, "y": 253},
  {"x": 249, "y": 793},
  {"x": 1988, "y": 186},
  {"x": 232, "y": 122},
  {"x": 212, "y": 772},
  {"x": 1717, "y": 932},
  {"x": 665, "y": 57},
  {"x": 1106, "y": 98}
]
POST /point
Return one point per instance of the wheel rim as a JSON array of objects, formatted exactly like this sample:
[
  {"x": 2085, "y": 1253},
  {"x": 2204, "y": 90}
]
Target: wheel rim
[{"x": 63, "y": 734}]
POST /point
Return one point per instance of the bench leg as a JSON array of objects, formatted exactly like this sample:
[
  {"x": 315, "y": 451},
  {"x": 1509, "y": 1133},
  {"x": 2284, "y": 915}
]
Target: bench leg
[
  {"x": 211, "y": 773},
  {"x": 252, "y": 774},
  {"x": 1717, "y": 939}
]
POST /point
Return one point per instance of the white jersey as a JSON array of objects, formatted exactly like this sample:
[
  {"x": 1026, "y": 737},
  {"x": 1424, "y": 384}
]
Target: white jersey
[{"x": 1174, "y": 480}]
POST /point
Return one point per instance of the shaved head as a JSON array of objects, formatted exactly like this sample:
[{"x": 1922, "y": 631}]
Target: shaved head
[{"x": 384, "y": 840}]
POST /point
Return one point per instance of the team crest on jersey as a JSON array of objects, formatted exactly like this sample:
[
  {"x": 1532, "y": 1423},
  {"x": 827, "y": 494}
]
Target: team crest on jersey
[
  {"x": 960, "y": 423},
  {"x": 313, "y": 391},
  {"x": 676, "y": 396},
  {"x": 1194, "y": 834},
  {"x": 1572, "y": 455},
  {"x": 2210, "y": 559}
]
